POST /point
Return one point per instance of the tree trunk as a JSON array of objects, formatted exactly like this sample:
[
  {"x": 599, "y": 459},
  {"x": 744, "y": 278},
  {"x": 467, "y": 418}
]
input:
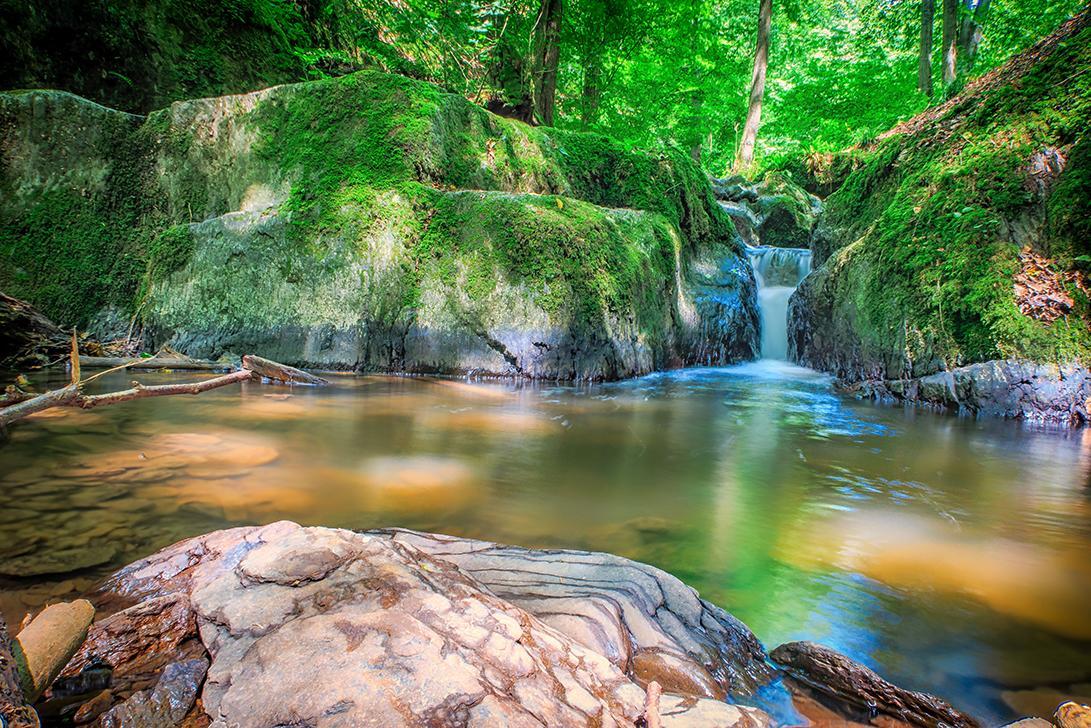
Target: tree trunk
[
  {"x": 757, "y": 86},
  {"x": 924, "y": 72},
  {"x": 592, "y": 93},
  {"x": 548, "y": 33},
  {"x": 511, "y": 72},
  {"x": 969, "y": 35},
  {"x": 950, "y": 41},
  {"x": 696, "y": 100}
]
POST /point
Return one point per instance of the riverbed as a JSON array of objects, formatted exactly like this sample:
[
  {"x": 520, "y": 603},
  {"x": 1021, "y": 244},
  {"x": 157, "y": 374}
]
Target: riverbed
[{"x": 952, "y": 555}]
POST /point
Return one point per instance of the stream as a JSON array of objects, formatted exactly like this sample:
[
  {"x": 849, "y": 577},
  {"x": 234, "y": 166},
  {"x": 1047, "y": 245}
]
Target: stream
[{"x": 951, "y": 555}]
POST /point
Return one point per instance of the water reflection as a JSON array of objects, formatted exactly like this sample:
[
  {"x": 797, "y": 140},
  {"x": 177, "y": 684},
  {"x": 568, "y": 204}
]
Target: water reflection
[{"x": 952, "y": 555}]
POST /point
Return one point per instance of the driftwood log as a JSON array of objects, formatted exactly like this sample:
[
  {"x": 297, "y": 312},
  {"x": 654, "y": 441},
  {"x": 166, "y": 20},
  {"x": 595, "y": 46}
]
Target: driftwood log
[
  {"x": 279, "y": 372},
  {"x": 835, "y": 676}
]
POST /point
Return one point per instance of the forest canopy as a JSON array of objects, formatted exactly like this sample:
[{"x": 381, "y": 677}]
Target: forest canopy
[
  {"x": 679, "y": 71},
  {"x": 645, "y": 72}
]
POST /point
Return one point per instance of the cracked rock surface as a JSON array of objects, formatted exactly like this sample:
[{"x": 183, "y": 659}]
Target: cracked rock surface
[{"x": 327, "y": 627}]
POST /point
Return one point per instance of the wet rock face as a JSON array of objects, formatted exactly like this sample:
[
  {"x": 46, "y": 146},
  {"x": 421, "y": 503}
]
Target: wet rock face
[
  {"x": 824, "y": 333},
  {"x": 315, "y": 626},
  {"x": 165, "y": 705},
  {"x": 704, "y": 313},
  {"x": 644, "y": 620},
  {"x": 823, "y": 336}
]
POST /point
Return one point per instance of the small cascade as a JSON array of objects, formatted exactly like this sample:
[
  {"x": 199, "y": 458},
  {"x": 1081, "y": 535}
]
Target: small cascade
[{"x": 778, "y": 272}]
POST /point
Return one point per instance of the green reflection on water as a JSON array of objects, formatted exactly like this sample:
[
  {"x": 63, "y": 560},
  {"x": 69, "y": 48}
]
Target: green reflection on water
[{"x": 949, "y": 554}]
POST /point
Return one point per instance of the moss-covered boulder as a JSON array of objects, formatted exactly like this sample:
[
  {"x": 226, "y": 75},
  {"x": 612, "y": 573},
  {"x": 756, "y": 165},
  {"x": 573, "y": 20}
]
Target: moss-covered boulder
[
  {"x": 370, "y": 222},
  {"x": 788, "y": 213},
  {"x": 772, "y": 211},
  {"x": 963, "y": 235}
]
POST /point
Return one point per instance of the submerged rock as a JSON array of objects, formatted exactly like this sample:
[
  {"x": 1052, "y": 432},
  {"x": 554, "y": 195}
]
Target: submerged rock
[{"x": 836, "y": 677}]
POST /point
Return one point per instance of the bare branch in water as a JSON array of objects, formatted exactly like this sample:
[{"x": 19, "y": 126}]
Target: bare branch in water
[
  {"x": 139, "y": 391},
  {"x": 16, "y": 404}
]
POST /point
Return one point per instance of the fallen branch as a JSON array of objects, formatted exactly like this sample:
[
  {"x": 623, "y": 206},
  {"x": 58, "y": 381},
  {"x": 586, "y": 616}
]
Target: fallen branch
[
  {"x": 139, "y": 391},
  {"x": 54, "y": 398},
  {"x": 14, "y": 395},
  {"x": 72, "y": 396}
]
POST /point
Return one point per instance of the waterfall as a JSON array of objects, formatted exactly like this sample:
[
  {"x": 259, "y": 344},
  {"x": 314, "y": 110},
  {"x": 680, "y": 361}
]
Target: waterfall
[{"x": 778, "y": 271}]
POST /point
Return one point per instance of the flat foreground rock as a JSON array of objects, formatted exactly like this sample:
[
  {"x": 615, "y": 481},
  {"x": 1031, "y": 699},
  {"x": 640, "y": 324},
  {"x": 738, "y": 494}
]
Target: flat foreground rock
[{"x": 327, "y": 627}]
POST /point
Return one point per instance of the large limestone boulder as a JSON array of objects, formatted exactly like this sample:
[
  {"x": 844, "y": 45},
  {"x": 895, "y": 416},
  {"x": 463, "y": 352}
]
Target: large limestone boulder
[
  {"x": 369, "y": 222},
  {"x": 326, "y": 627}
]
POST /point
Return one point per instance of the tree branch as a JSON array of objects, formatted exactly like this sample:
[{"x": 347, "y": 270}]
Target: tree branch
[
  {"x": 139, "y": 391},
  {"x": 253, "y": 367},
  {"x": 55, "y": 398}
]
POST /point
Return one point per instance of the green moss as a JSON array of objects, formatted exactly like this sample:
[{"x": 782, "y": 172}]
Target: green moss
[
  {"x": 380, "y": 130},
  {"x": 579, "y": 260},
  {"x": 69, "y": 258},
  {"x": 373, "y": 165},
  {"x": 169, "y": 251},
  {"x": 76, "y": 245},
  {"x": 930, "y": 219}
]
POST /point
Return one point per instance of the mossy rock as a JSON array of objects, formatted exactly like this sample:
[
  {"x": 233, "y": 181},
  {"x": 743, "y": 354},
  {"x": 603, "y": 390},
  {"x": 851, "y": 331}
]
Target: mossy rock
[
  {"x": 788, "y": 213},
  {"x": 376, "y": 222},
  {"x": 924, "y": 238}
]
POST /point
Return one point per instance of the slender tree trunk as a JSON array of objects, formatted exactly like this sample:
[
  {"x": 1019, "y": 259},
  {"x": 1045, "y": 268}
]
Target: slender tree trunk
[
  {"x": 924, "y": 71},
  {"x": 757, "y": 86},
  {"x": 696, "y": 102},
  {"x": 548, "y": 32},
  {"x": 592, "y": 93},
  {"x": 592, "y": 55},
  {"x": 696, "y": 97},
  {"x": 950, "y": 41},
  {"x": 969, "y": 35}
]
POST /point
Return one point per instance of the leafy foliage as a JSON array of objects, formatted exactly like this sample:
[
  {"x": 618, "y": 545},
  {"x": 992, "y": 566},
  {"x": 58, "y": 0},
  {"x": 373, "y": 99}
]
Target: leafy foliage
[{"x": 644, "y": 72}]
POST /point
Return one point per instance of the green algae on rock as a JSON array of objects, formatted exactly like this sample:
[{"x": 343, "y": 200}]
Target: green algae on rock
[{"x": 371, "y": 222}]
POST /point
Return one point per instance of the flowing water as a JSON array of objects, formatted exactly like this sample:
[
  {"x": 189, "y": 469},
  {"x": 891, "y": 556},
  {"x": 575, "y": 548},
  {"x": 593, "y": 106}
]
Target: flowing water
[
  {"x": 952, "y": 555},
  {"x": 778, "y": 272}
]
